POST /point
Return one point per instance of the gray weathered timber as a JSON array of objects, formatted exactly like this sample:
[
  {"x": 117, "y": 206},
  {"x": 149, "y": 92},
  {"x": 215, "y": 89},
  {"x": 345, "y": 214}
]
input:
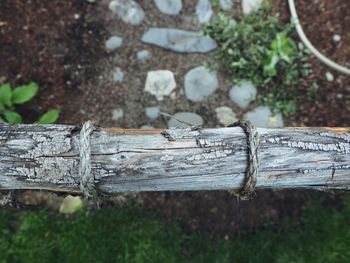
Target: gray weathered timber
[{"x": 47, "y": 157}]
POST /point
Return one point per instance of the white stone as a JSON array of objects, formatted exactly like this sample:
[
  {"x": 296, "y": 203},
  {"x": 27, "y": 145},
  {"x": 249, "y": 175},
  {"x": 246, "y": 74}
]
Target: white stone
[
  {"x": 117, "y": 114},
  {"x": 152, "y": 112},
  {"x": 226, "y": 5},
  {"x": 118, "y": 75},
  {"x": 113, "y": 43},
  {"x": 200, "y": 83},
  {"x": 250, "y": 6},
  {"x": 143, "y": 55},
  {"x": 225, "y": 115},
  {"x": 179, "y": 40},
  {"x": 127, "y": 10},
  {"x": 243, "y": 94},
  {"x": 336, "y": 38},
  {"x": 189, "y": 119},
  {"x": 160, "y": 83},
  {"x": 262, "y": 117},
  {"x": 169, "y": 7},
  {"x": 204, "y": 11}
]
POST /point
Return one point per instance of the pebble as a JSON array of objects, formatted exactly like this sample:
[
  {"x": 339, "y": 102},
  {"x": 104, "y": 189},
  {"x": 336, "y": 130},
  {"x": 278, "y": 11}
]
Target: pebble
[
  {"x": 336, "y": 38},
  {"x": 243, "y": 94},
  {"x": 179, "y": 40},
  {"x": 169, "y": 7},
  {"x": 117, "y": 114},
  {"x": 152, "y": 112},
  {"x": 188, "y": 117},
  {"x": 225, "y": 115},
  {"x": 226, "y": 5},
  {"x": 262, "y": 117},
  {"x": 200, "y": 83},
  {"x": 143, "y": 55},
  {"x": 204, "y": 11},
  {"x": 160, "y": 83},
  {"x": 118, "y": 75},
  {"x": 128, "y": 10},
  {"x": 113, "y": 43},
  {"x": 250, "y": 6}
]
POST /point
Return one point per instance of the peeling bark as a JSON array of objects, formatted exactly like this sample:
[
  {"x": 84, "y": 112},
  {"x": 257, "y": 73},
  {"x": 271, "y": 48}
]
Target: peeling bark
[{"x": 47, "y": 157}]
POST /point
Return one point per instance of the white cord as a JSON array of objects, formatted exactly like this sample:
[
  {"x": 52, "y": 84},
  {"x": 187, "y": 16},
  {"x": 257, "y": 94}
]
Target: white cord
[{"x": 308, "y": 44}]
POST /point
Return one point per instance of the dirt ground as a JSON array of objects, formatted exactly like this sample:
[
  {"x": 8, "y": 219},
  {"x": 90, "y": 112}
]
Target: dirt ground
[{"x": 60, "y": 45}]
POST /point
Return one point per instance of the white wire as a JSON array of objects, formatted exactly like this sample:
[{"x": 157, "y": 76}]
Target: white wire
[{"x": 308, "y": 44}]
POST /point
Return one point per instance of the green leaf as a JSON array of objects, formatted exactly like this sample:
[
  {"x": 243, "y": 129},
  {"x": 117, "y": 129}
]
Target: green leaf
[
  {"x": 49, "y": 117},
  {"x": 24, "y": 93},
  {"x": 270, "y": 65},
  {"x": 71, "y": 204},
  {"x": 12, "y": 117},
  {"x": 5, "y": 94}
]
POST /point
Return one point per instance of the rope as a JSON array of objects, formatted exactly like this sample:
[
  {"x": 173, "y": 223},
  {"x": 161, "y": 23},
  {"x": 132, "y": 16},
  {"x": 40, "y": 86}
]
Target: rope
[
  {"x": 86, "y": 178},
  {"x": 253, "y": 145}
]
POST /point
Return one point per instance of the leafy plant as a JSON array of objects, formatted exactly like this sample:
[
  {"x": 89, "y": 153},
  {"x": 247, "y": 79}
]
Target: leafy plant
[
  {"x": 9, "y": 98},
  {"x": 260, "y": 49}
]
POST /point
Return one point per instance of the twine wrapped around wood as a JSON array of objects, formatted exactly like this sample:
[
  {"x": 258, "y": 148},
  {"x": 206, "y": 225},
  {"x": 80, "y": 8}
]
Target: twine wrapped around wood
[
  {"x": 253, "y": 145},
  {"x": 86, "y": 177}
]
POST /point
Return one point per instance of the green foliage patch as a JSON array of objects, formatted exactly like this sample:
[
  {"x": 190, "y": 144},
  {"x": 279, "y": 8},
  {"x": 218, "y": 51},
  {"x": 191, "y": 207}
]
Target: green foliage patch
[
  {"x": 9, "y": 98},
  {"x": 260, "y": 49},
  {"x": 128, "y": 235}
]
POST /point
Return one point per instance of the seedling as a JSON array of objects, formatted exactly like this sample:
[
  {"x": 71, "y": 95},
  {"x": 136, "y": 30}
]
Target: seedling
[{"x": 9, "y": 98}]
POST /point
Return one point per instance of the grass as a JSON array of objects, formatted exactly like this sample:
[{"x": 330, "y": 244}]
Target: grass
[{"x": 128, "y": 235}]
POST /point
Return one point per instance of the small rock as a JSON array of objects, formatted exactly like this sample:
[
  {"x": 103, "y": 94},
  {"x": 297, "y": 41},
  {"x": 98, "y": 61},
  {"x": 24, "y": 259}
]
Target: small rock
[
  {"x": 226, "y": 5},
  {"x": 160, "y": 83},
  {"x": 225, "y": 115},
  {"x": 179, "y": 40},
  {"x": 169, "y": 7},
  {"x": 204, "y": 11},
  {"x": 329, "y": 76},
  {"x": 152, "y": 112},
  {"x": 243, "y": 94},
  {"x": 117, "y": 114},
  {"x": 200, "y": 83},
  {"x": 128, "y": 10},
  {"x": 262, "y": 117},
  {"x": 336, "y": 38},
  {"x": 118, "y": 75},
  {"x": 146, "y": 127},
  {"x": 143, "y": 55},
  {"x": 113, "y": 43},
  {"x": 187, "y": 117},
  {"x": 250, "y": 6}
]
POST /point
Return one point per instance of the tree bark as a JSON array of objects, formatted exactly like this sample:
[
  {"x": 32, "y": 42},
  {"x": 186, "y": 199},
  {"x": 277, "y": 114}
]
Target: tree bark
[{"x": 127, "y": 160}]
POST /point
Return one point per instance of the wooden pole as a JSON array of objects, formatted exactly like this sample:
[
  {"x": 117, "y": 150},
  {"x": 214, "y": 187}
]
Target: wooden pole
[{"x": 127, "y": 160}]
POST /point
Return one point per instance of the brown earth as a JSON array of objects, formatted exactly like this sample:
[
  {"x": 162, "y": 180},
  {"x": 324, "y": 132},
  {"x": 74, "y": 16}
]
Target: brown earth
[{"x": 60, "y": 45}]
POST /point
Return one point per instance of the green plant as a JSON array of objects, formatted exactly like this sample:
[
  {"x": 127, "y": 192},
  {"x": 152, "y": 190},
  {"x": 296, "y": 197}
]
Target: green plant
[
  {"x": 259, "y": 48},
  {"x": 9, "y": 98}
]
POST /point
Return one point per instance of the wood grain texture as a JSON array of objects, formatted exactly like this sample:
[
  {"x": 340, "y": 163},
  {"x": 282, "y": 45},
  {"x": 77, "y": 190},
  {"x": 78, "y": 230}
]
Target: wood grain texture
[{"x": 47, "y": 157}]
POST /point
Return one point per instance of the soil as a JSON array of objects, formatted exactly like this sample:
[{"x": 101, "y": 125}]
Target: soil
[{"x": 60, "y": 45}]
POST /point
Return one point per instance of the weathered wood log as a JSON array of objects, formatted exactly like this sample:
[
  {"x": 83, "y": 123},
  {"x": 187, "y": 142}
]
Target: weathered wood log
[{"x": 47, "y": 157}]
